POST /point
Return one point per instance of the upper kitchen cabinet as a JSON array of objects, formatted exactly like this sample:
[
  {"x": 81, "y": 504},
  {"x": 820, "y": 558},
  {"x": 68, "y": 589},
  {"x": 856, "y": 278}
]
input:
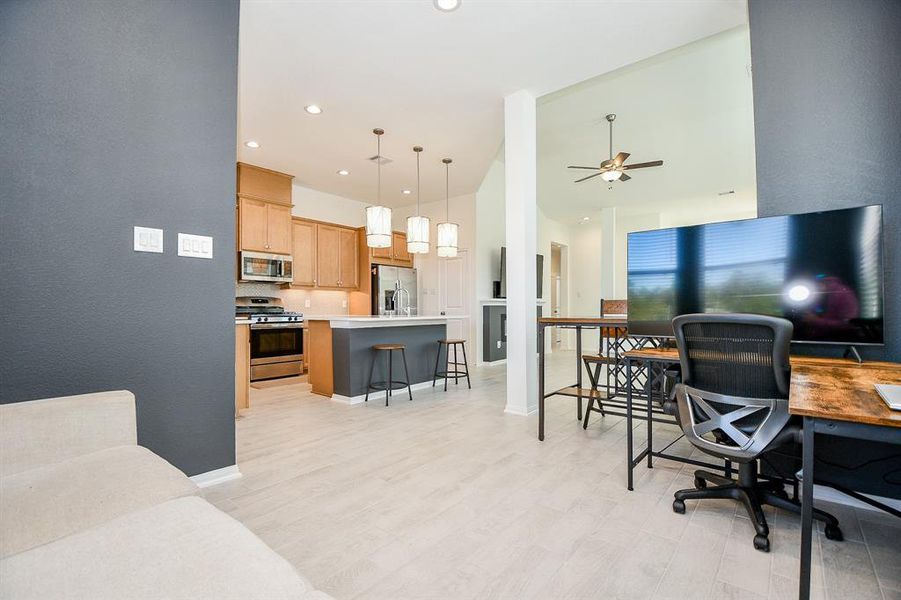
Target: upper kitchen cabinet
[
  {"x": 264, "y": 210},
  {"x": 336, "y": 257},
  {"x": 396, "y": 255},
  {"x": 304, "y": 252}
]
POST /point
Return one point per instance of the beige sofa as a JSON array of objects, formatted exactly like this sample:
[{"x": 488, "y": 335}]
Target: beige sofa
[{"x": 87, "y": 513}]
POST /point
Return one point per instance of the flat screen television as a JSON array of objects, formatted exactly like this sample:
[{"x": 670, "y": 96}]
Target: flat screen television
[
  {"x": 539, "y": 271},
  {"x": 822, "y": 271}
]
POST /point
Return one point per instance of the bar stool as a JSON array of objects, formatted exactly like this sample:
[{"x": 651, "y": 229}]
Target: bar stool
[
  {"x": 390, "y": 384},
  {"x": 456, "y": 373}
]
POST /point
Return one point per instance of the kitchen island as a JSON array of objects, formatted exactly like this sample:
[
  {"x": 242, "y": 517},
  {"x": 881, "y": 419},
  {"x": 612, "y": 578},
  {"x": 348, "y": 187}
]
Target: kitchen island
[{"x": 340, "y": 354}]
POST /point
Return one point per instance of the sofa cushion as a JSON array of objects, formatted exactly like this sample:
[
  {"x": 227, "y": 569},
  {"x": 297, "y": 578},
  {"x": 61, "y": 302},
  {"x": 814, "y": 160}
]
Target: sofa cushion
[
  {"x": 47, "y": 503},
  {"x": 183, "y": 548}
]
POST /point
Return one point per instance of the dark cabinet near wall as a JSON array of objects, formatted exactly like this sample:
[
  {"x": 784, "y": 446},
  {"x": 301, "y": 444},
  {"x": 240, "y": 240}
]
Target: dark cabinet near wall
[{"x": 494, "y": 331}]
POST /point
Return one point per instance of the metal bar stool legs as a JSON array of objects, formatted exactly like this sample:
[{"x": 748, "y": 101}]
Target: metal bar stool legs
[
  {"x": 390, "y": 384},
  {"x": 455, "y": 373}
]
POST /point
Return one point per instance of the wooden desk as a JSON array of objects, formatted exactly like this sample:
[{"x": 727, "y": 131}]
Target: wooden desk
[{"x": 838, "y": 398}]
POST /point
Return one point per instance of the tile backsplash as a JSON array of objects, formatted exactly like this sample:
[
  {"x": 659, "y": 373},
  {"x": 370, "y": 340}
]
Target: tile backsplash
[{"x": 322, "y": 302}]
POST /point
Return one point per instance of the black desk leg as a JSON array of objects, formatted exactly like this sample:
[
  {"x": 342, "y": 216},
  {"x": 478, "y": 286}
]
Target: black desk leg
[
  {"x": 579, "y": 370},
  {"x": 541, "y": 382},
  {"x": 629, "y": 421},
  {"x": 806, "y": 507},
  {"x": 649, "y": 390}
]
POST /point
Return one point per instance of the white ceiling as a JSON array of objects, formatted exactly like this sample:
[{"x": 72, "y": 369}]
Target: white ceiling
[
  {"x": 691, "y": 107},
  {"x": 429, "y": 78}
]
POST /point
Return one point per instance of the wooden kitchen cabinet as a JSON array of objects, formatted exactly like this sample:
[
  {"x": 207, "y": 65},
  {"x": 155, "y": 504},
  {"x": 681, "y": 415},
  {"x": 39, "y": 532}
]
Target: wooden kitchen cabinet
[
  {"x": 396, "y": 255},
  {"x": 242, "y": 367},
  {"x": 348, "y": 250},
  {"x": 264, "y": 210},
  {"x": 304, "y": 252},
  {"x": 264, "y": 226},
  {"x": 328, "y": 262},
  {"x": 336, "y": 257},
  {"x": 399, "y": 247}
]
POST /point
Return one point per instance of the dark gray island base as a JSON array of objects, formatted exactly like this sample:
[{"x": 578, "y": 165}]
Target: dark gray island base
[{"x": 353, "y": 359}]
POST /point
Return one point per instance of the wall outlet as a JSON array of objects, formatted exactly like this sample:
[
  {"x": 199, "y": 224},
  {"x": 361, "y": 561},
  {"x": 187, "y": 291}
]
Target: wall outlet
[
  {"x": 306, "y": 303},
  {"x": 195, "y": 246},
  {"x": 498, "y": 344},
  {"x": 148, "y": 239},
  {"x": 344, "y": 304}
]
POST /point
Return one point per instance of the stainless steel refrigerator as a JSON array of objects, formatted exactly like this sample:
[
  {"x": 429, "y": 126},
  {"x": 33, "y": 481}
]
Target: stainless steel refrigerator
[{"x": 394, "y": 291}]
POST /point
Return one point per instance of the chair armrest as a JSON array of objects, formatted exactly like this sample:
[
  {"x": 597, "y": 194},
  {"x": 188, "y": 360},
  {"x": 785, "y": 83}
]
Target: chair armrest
[{"x": 43, "y": 432}]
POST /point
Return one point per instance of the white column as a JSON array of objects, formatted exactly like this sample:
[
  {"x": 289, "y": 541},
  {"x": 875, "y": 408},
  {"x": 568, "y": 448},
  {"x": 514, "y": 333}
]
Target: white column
[
  {"x": 608, "y": 254},
  {"x": 520, "y": 167}
]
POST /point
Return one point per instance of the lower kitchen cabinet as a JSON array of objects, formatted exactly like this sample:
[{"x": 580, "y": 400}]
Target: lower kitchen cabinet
[{"x": 242, "y": 367}]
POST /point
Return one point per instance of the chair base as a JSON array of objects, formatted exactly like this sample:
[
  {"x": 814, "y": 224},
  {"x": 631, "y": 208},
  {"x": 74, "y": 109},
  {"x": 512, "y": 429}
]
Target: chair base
[{"x": 753, "y": 494}]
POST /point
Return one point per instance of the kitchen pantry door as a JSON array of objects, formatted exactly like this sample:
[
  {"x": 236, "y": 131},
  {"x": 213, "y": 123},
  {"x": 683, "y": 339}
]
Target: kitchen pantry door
[{"x": 453, "y": 295}]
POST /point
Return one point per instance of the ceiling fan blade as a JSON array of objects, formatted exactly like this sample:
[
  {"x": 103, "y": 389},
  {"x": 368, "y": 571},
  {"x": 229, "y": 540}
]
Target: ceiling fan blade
[
  {"x": 624, "y": 177},
  {"x": 584, "y": 178},
  {"x": 620, "y": 158},
  {"x": 606, "y": 163},
  {"x": 653, "y": 163},
  {"x": 575, "y": 167}
]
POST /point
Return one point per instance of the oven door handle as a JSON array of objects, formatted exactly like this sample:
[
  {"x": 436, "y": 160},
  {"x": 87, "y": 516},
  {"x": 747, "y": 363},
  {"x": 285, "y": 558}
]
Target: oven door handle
[{"x": 291, "y": 325}]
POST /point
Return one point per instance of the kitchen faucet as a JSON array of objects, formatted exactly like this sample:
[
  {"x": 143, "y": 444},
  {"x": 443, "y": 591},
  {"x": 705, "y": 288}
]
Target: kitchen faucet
[{"x": 398, "y": 288}]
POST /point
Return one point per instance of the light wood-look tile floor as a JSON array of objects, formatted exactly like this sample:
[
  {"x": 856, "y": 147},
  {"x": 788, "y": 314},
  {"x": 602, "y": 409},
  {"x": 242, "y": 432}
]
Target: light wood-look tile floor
[{"x": 447, "y": 497}]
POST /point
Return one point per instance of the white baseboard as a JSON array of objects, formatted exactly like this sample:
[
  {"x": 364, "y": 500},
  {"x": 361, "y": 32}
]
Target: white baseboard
[
  {"x": 494, "y": 363},
  {"x": 380, "y": 393},
  {"x": 829, "y": 494},
  {"x": 216, "y": 476},
  {"x": 519, "y": 413}
]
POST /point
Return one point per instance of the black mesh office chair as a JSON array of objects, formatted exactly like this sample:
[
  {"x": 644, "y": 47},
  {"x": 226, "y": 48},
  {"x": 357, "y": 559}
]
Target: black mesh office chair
[{"x": 732, "y": 403}]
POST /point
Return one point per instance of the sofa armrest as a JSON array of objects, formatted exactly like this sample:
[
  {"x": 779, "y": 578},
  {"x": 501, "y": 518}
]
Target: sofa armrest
[{"x": 43, "y": 432}]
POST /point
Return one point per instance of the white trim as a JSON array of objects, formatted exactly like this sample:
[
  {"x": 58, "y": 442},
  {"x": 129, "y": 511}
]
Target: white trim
[
  {"x": 377, "y": 393},
  {"x": 518, "y": 413},
  {"x": 829, "y": 494},
  {"x": 494, "y": 363},
  {"x": 216, "y": 476}
]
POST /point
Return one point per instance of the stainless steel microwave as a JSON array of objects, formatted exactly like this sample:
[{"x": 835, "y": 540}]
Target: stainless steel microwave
[{"x": 260, "y": 266}]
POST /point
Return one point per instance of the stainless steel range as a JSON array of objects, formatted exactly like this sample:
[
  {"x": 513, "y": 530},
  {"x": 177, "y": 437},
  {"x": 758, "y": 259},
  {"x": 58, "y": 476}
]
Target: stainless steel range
[{"x": 276, "y": 337}]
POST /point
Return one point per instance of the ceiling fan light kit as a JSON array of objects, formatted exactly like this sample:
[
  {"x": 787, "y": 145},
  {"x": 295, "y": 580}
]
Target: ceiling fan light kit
[
  {"x": 378, "y": 217},
  {"x": 417, "y": 226},
  {"x": 614, "y": 168}
]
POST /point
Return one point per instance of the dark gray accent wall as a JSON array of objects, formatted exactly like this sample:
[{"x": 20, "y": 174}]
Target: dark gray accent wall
[
  {"x": 827, "y": 119},
  {"x": 352, "y": 355},
  {"x": 116, "y": 114}
]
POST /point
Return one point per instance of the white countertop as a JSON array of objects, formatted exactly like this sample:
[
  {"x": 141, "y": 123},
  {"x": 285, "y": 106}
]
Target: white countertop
[{"x": 356, "y": 322}]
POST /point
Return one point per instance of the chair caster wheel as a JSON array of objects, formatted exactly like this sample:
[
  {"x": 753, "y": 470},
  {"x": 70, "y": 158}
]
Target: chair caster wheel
[
  {"x": 762, "y": 543},
  {"x": 679, "y": 507},
  {"x": 834, "y": 533},
  {"x": 700, "y": 483}
]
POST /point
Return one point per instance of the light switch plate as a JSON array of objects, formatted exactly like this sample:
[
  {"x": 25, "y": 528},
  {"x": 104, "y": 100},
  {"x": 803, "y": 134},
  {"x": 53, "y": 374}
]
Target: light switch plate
[
  {"x": 344, "y": 304},
  {"x": 195, "y": 246},
  {"x": 148, "y": 239},
  {"x": 306, "y": 303}
]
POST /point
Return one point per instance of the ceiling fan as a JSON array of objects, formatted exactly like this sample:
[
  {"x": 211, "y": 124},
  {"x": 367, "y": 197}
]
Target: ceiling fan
[{"x": 613, "y": 169}]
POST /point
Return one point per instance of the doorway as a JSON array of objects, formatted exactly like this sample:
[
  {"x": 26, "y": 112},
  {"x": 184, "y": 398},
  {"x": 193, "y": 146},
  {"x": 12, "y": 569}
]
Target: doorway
[{"x": 559, "y": 295}]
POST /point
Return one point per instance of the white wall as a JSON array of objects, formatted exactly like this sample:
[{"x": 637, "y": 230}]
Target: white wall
[
  {"x": 463, "y": 213},
  {"x": 320, "y": 206},
  {"x": 490, "y": 231}
]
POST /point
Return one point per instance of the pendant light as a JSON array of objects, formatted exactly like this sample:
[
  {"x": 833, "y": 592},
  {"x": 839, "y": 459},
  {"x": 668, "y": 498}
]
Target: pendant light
[
  {"x": 418, "y": 226},
  {"x": 447, "y": 232},
  {"x": 378, "y": 218}
]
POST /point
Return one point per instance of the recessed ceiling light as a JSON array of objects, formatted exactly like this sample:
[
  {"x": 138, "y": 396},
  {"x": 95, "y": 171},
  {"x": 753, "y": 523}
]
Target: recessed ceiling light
[
  {"x": 312, "y": 109},
  {"x": 406, "y": 192},
  {"x": 586, "y": 218},
  {"x": 343, "y": 172},
  {"x": 252, "y": 144},
  {"x": 447, "y": 5}
]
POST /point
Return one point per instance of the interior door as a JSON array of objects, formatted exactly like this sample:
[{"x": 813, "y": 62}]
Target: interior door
[
  {"x": 328, "y": 269},
  {"x": 348, "y": 276},
  {"x": 453, "y": 294}
]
